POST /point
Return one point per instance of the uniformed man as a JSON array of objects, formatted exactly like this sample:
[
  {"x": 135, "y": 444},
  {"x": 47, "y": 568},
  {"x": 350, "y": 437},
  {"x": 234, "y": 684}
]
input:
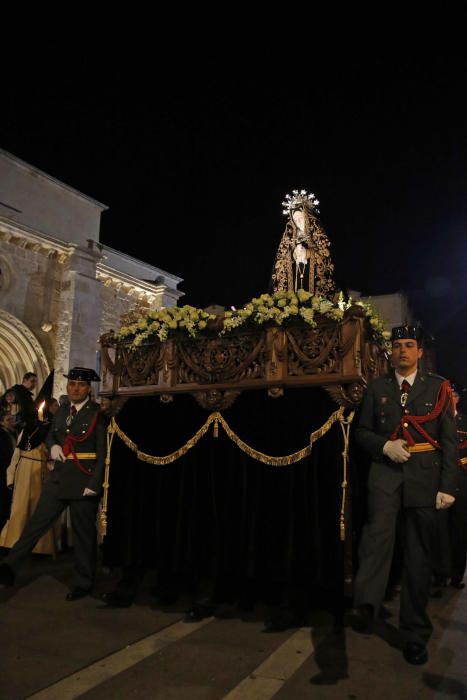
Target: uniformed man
[
  {"x": 407, "y": 426},
  {"x": 77, "y": 443}
]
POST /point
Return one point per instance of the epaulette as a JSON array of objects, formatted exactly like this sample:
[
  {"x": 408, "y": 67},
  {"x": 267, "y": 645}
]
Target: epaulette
[{"x": 435, "y": 376}]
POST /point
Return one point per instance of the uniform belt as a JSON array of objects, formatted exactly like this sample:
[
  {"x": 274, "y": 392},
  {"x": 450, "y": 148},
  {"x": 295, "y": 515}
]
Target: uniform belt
[
  {"x": 463, "y": 460},
  {"x": 83, "y": 455},
  {"x": 420, "y": 447}
]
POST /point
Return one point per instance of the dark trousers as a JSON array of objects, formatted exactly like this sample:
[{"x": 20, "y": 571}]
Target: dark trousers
[
  {"x": 458, "y": 530},
  {"x": 375, "y": 556},
  {"x": 5, "y": 503},
  {"x": 83, "y": 521}
]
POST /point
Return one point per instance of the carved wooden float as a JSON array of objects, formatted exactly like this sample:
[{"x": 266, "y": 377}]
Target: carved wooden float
[{"x": 339, "y": 356}]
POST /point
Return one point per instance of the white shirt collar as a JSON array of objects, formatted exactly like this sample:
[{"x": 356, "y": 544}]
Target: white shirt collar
[
  {"x": 80, "y": 405},
  {"x": 410, "y": 379}
]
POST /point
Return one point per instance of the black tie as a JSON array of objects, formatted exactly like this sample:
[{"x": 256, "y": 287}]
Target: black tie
[{"x": 73, "y": 410}]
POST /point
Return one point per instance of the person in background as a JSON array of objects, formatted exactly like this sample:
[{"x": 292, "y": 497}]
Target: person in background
[
  {"x": 26, "y": 414},
  {"x": 28, "y": 475},
  {"x": 51, "y": 408},
  {"x": 7, "y": 448}
]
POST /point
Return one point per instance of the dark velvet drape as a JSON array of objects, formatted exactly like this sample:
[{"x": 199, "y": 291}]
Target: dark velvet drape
[{"x": 218, "y": 513}]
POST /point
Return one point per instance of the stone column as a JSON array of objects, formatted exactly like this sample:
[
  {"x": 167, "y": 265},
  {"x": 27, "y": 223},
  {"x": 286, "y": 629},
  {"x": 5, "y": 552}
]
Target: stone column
[{"x": 79, "y": 316}]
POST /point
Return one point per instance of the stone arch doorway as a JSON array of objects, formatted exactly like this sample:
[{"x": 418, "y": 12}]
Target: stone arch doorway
[{"x": 20, "y": 352}]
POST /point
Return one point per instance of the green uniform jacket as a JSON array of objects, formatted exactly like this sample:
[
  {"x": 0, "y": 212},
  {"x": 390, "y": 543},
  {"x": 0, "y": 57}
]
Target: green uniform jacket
[
  {"x": 71, "y": 480},
  {"x": 426, "y": 473}
]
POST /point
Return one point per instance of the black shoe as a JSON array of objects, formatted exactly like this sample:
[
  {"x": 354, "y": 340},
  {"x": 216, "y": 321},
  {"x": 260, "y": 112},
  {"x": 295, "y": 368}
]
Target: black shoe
[
  {"x": 415, "y": 653},
  {"x": 283, "y": 620},
  {"x": 457, "y": 583},
  {"x": 198, "y": 612},
  {"x": 7, "y": 575},
  {"x": 76, "y": 593},
  {"x": 361, "y": 619},
  {"x": 114, "y": 600},
  {"x": 440, "y": 581}
]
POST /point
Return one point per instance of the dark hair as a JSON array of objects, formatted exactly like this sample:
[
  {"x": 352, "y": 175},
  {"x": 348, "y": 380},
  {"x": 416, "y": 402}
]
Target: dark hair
[
  {"x": 29, "y": 375},
  {"x": 3, "y": 412}
]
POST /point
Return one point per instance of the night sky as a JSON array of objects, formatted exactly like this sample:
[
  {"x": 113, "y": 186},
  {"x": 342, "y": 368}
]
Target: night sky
[{"x": 194, "y": 165}]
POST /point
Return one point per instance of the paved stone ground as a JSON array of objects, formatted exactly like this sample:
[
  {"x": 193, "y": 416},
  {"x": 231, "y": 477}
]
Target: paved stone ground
[{"x": 51, "y": 649}]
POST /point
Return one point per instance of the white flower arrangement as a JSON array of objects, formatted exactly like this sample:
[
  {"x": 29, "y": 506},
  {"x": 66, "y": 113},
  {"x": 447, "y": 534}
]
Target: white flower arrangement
[
  {"x": 376, "y": 323},
  {"x": 163, "y": 323},
  {"x": 279, "y": 308}
]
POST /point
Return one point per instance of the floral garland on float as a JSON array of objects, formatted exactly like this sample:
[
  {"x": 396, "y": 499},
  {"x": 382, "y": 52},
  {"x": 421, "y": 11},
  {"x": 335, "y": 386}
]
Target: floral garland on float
[{"x": 282, "y": 308}]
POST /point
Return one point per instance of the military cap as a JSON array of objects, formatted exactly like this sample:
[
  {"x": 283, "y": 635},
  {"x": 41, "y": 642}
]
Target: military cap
[
  {"x": 83, "y": 374},
  {"x": 402, "y": 332}
]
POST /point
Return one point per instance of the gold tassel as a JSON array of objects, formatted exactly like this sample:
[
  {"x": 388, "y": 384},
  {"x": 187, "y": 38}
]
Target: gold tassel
[
  {"x": 110, "y": 436},
  {"x": 345, "y": 424},
  {"x": 215, "y": 431}
]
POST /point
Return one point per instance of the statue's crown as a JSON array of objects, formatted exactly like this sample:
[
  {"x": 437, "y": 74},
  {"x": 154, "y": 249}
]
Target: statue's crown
[{"x": 297, "y": 200}]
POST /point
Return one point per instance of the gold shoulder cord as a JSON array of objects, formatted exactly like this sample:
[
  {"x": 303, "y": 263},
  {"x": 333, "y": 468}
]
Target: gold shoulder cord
[{"x": 217, "y": 419}]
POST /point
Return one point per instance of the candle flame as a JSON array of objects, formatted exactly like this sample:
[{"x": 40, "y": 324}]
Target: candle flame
[{"x": 40, "y": 412}]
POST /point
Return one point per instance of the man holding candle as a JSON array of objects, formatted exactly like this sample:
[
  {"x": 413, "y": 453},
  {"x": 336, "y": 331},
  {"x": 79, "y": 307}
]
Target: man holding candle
[{"x": 77, "y": 443}]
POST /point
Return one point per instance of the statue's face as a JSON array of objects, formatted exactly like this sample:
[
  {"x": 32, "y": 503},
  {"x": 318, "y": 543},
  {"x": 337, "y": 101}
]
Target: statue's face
[{"x": 299, "y": 219}]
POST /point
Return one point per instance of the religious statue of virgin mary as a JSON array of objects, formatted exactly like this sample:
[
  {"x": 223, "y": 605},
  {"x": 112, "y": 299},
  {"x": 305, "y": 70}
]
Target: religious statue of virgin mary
[{"x": 303, "y": 260}]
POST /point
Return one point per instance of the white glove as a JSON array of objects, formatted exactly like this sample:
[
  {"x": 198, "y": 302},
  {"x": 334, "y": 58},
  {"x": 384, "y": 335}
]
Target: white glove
[
  {"x": 444, "y": 500},
  {"x": 57, "y": 453},
  {"x": 395, "y": 450},
  {"x": 89, "y": 492}
]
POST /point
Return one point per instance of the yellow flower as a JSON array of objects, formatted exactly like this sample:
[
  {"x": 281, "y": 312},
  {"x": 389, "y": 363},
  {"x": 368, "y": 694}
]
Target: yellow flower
[
  {"x": 281, "y": 302},
  {"x": 294, "y": 310},
  {"x": 303, "y": 295},
  {"x": 172, "y": 324},
  {"x": 202, "y": 324}
]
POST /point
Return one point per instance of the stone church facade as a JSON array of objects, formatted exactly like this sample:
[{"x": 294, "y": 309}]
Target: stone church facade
[{"x": 60, "y": 288}]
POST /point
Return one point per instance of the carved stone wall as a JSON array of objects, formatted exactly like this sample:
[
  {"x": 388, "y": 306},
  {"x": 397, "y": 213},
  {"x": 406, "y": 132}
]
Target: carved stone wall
[{"x": 58, "y": 294}]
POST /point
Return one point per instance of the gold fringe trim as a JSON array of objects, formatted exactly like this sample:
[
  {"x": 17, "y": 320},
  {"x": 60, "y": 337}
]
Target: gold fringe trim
[{"x": 218, "y": 420}]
